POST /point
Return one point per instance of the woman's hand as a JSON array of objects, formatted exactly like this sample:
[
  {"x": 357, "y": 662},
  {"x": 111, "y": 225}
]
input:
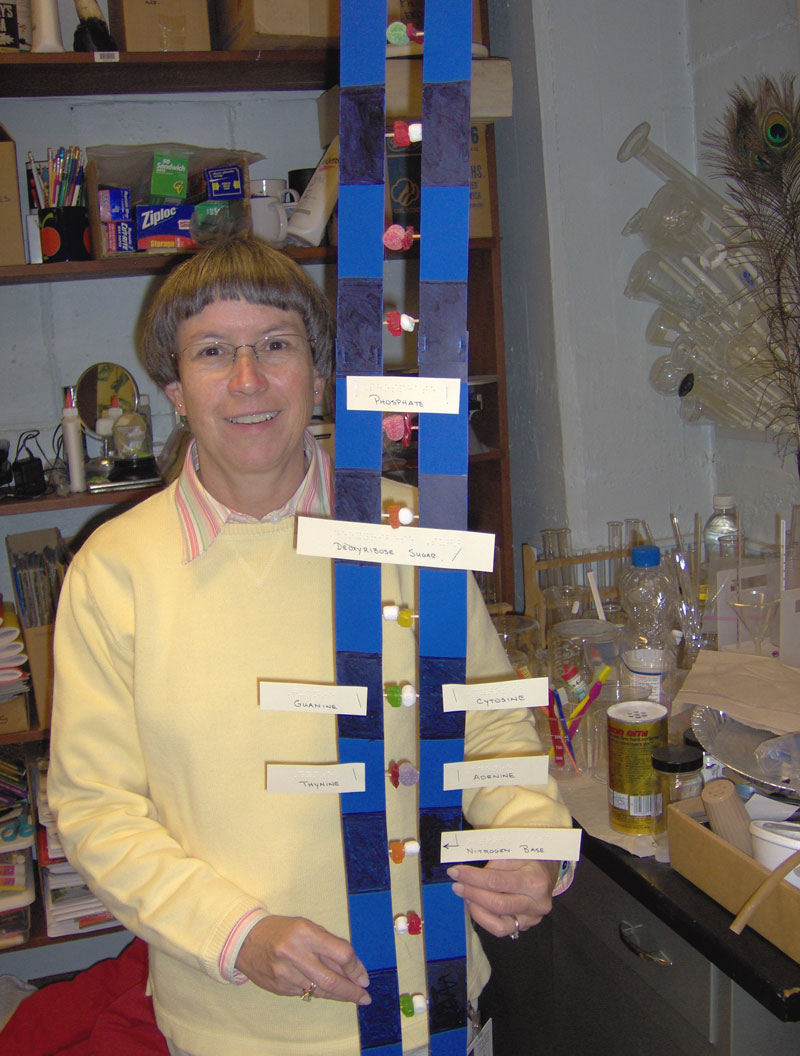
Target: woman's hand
[
  {"x": 291, "y": 955},
  {"x": 507, "y": 893}
]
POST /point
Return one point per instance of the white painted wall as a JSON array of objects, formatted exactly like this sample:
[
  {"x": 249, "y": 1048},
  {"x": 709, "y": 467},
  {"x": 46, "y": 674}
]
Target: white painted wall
[{"x": 590, "y": 440}]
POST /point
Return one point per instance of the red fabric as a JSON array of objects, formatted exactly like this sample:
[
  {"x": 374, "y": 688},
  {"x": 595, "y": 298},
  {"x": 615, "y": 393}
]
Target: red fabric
[{"x": 102, "y": 1010}]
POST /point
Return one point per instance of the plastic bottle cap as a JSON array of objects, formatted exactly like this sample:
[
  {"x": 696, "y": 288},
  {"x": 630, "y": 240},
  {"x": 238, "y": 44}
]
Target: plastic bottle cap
[
  {"x": 723, "y": 502},
  {"x": 645, "y": 557},
  {"x": 568, "y": 672},
  {"x": 677, "y": 758}
]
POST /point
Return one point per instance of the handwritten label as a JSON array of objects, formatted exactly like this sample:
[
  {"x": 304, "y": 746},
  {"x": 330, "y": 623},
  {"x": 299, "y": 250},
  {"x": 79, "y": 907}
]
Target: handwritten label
[
  {"x": 306, "y": 699},
  {"x": 428, "y": 547},
  {"x": 404, "y": 394},
  {"x": 482, "y": 773},
  {"x": 315, "y": 780},
  {"x": 495, "y": 696},
  {"x": 549, "y": 845}
]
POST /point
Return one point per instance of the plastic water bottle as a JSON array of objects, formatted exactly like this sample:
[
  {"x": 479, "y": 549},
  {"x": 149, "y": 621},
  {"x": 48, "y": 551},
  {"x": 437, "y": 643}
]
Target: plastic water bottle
[
  {"x": 649, "y": 642},
  {"x": 721, "y": 530}
]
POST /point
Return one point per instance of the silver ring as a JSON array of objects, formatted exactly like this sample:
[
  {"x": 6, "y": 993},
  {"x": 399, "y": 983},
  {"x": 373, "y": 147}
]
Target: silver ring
[
  {"x": 515, "y": 933},
  {"x": 308, "y": 993}
]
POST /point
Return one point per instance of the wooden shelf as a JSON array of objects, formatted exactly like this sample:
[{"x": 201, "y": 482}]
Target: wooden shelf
[
  {"x": 46, "y": 503},
  {"x": 126, "y": 265},
  {"x": 137, "y": 73}
]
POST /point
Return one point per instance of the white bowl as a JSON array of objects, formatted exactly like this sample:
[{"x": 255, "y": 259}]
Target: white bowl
[{"x": 773, "y": 842}]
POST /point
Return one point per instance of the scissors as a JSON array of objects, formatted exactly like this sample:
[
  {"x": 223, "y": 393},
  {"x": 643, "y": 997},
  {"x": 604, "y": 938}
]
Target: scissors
[{"x": 16, "y": 828}]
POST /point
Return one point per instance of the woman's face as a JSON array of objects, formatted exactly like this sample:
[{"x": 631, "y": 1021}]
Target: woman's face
[{"x": 247, "y": 416}]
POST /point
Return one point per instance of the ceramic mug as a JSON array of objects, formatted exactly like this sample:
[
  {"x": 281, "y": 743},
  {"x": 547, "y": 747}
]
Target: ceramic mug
[
  {"x": 269, "y": 219},
  {"x": 274, "y": 189}
]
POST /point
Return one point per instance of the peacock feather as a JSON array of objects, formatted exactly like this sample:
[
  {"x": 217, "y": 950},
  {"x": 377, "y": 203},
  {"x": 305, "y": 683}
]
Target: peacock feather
[{"x": 757, "y": 147}]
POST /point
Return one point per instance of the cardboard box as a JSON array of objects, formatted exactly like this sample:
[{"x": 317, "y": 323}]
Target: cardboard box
[
  {"x": 491, "y": 94},
  {"x": 730, "y": 877},
  {"x": 12, "y": 246},
  {"x": 159, "y": 25},
  {"x": 247, "y": 25},
  {"x": 14, "y": 716}
]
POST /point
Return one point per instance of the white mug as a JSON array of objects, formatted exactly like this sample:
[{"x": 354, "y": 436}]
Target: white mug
[
  {"x": 269, "y": 220},
  {"x": 274, "y": 189}
]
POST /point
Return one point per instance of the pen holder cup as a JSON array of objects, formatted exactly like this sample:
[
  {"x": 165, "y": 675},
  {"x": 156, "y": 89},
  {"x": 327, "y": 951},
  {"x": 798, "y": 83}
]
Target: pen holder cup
[{"x": 64, "y": 233}]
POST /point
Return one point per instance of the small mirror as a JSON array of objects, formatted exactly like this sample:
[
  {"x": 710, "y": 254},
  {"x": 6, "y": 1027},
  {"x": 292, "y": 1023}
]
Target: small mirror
[{"x": 96, "y": 387}]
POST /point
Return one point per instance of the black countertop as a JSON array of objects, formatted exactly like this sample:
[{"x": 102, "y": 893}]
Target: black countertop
[{"x": 754, "y": 964}]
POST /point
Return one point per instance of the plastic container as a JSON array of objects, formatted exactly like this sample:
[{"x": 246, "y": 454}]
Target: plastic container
[
  {"x": 649, "y": 646},
  {"x": 773, "y": 842},
  {"x": 312, "y": 213},
  {"x": 73, "y": 445},
  {"x": 679, "y": 768},
  {"x": 721, "y": 530}
]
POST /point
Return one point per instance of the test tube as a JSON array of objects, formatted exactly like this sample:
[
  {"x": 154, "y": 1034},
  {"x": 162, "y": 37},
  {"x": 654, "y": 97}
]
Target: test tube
[
  {"x": 563, "y": 536},
  {"x": 614, "y": 543}
]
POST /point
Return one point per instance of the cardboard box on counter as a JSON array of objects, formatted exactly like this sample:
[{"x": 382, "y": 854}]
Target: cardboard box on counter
[
  {"x": 159, "y": 25},
  {"x": 12, "y": 246},
  {"x": 730, "y": 877}
]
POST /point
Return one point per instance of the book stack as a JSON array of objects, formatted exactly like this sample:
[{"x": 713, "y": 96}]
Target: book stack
[
  {"x": 70, "y": 907},
  {"x": 17, "y": 889}
]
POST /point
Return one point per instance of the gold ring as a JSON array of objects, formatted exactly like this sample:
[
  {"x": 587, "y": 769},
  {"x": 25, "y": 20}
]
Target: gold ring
[
  {"x": 308, "y": 993},
  {"x": 515, "y": 933}
]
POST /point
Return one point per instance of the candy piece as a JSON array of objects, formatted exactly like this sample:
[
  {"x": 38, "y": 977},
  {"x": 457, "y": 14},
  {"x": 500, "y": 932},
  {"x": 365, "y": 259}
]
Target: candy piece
[
  {"x": 394, "y": 323},
  {"x": 408, "y": 322},
  {"x": 415, "y": 132},
  {"x": 401, "y": 134},
  {"x": 405, "y": 515},
  {"x": 393, "y": 426},
  {"x": 394, "y": 236},
  {"x": 406, "y": 1005},
  {"x": 414, "y": 923},
  {"x": 408, "y": 238},
  {"x": 391, "y": 612},
  {"x": 394, "y": 695},
  {"x": 396, "y": 33},
  {"x": 419, "y": 1004},
  {"x": 411, "y": 847},
  {"x": 408, "y": 696},
  {"x": 414, "y": 35},
  {"x": 401, "y": 924},
  {"x": 393, "y": 514},
  {"x": 405, "y": 617},
  {"x": 394, "y": 774},
  {"x": 397, "y": 851},
  {"x": 407, "y": 775}
]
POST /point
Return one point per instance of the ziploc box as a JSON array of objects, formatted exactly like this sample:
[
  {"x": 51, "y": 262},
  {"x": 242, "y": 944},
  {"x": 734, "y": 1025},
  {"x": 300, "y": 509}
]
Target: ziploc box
[
  {"x": 224, "y": 182},
  {"x": 170, "y": 178},
  {"x": 12, "y": 247},
  {"x": 164, "y": 227}
]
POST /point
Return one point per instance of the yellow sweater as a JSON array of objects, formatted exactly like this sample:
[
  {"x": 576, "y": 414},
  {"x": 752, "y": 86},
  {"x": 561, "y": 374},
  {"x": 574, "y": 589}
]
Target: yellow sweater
[{"x": 158, "y": 758}]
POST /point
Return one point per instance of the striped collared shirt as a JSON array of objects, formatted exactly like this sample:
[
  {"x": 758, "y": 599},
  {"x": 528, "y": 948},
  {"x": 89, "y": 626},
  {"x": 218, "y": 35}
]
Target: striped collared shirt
[{"x": 202, "y": 516}]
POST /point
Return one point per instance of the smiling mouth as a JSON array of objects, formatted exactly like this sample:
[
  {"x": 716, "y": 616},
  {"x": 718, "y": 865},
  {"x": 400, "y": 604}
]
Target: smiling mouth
[{"x": 253, "y": 419}]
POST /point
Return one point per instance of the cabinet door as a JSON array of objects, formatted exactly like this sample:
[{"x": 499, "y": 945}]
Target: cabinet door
[{"x": 611, "y": 1000}]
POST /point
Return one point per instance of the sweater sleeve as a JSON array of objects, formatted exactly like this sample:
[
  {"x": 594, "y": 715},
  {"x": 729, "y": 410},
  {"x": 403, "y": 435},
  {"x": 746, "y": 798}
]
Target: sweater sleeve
[
  {"x": 496, "y": 734},
  {"x": 98, "y": 790}
]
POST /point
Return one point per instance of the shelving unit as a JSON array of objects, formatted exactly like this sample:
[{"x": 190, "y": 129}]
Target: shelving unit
[{"x": 41, "y": 76}]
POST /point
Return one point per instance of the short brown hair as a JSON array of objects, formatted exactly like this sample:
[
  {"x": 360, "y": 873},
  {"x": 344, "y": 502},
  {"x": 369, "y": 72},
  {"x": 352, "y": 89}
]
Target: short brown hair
[{"x": 236, "y": 267}]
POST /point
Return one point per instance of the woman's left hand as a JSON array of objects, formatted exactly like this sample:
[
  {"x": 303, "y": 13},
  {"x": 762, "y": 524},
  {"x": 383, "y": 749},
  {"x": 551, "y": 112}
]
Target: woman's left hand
[{"x": 507, "y": 893}]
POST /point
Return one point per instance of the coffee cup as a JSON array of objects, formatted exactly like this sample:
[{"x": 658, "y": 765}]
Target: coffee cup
[
  {"x": 274, "y": 189},
  {"x": 269, "y": 219}
]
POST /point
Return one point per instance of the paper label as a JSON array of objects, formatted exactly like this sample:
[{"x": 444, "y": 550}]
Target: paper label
[
  {"x": 315, "y": 780},
  {"x": 515, "y": 770},
  {"x": 403, "y": 394},
  {"x": 549, "y": 845},
  {"x": 495, "y": 696},
  {"x": 423, "y": 547},
  {"x": 308, "y": 699}
]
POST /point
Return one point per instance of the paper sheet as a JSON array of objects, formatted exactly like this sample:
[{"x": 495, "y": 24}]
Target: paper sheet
[
  {"x": 757, "y": 690},
  {"x": 587, "y": 801}
]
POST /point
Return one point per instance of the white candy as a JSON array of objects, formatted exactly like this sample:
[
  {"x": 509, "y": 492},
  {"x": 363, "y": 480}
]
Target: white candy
[
  {"x": 408, "y": 696},
  {"x": 415, "y": 132},
  {"x": 419, "y": 1003},
  {"x": 401, "y": 924},
  {"x": 411, "y": 847},
  {"x": 391, "y": 613}
]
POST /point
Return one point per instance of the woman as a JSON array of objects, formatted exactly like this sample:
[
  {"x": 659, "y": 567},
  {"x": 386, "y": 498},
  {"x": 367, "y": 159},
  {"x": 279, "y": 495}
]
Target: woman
[{"x": 169, "y": 618}]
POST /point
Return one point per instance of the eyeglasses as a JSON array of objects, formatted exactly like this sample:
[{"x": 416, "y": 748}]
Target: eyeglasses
[{"x": 217, "y": 357}]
